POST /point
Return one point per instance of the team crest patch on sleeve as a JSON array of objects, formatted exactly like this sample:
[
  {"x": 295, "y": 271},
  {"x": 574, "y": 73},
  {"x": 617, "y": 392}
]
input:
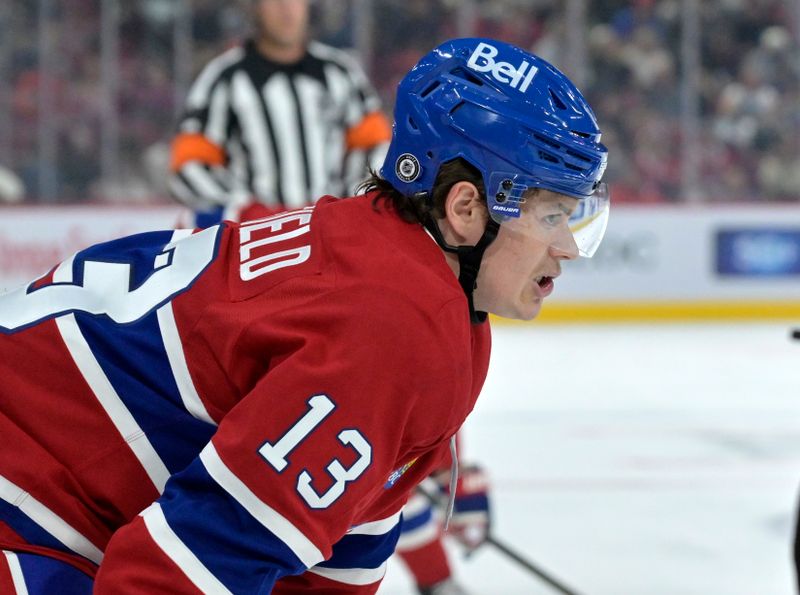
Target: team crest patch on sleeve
[{"x": 397, "y": 474}]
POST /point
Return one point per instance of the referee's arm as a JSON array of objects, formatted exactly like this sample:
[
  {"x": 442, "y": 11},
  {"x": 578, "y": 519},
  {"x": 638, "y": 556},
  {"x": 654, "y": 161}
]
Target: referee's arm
[
  {"x": 199, "y": 175},
  {"x": 368, "y": 130}
]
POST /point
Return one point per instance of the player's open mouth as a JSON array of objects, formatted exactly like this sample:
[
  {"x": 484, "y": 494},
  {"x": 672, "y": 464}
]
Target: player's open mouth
[{"x": 545, "y": 284}]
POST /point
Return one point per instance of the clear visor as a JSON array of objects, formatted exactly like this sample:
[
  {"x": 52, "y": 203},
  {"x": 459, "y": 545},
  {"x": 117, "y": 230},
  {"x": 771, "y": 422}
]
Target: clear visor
[
  {"x": 572, "y": 226},
  {"x": 589, "y": 221}
]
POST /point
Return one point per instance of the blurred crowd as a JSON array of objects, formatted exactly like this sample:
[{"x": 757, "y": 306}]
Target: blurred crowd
[
  {"x": 749, "y": 103},
  {"x": 747, "y": 145}
]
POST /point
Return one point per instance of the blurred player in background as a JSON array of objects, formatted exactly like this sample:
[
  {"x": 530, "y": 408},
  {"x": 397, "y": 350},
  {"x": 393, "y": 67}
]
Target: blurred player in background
[
  {"x": 420, "y": 544},
  {"x": 275, "y": 123},
  {"x": 247, "y": 408}
]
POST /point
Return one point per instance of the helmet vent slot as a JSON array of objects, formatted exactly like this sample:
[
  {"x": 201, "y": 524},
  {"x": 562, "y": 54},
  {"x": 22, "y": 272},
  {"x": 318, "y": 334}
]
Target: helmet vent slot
[
  {"x": 430, "y": 88},
  {"x": 457, "y": 107},
  {"x": 557, "y": 100},
  {"x": 547, "y": 141},
  {"x": 466, "y": 75},
  {"x": 412, "y": 125},
  {"x": 581, "y": 134},
  {"x": 577, "y": 155},
  {"x": 545, "y": 156}
]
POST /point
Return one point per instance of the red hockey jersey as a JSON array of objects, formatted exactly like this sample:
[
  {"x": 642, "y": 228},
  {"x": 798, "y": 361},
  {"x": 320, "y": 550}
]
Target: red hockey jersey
[{"x": 222, "y": 409}]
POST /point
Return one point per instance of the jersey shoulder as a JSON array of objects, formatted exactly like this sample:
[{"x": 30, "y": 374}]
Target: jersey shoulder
[
  {"x": 368, "y": 243},
  {"x": 400, "y": 286}
]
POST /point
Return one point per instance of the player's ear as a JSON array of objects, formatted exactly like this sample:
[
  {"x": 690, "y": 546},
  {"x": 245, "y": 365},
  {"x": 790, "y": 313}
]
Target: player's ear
[{"x": 465, "y": 214}]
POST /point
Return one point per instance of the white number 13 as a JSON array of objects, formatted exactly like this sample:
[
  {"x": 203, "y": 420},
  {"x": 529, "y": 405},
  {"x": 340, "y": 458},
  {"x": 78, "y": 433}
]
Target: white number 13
[
  {"x": 320, "y": 406},
  {"x": 105, "y": 286}
]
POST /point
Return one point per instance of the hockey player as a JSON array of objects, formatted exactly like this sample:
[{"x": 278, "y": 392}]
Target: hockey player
[
  {"x": 275, "y": 123},
  {"x": 246, "y": 408},
  {"x": 271, "y": 125}
]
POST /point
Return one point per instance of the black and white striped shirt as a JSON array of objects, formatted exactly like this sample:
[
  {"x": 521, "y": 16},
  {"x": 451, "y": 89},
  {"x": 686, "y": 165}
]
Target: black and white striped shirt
[{"x": 283, "y": 135}]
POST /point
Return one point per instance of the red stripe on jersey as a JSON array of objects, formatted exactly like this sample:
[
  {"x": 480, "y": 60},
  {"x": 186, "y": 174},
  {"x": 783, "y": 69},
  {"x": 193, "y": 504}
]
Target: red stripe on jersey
[{"x": 6, "y": 581}]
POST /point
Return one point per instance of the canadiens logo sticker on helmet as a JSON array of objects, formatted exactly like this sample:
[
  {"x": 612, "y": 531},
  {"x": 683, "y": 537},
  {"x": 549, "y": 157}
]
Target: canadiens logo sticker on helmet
[{"x": 407, "y": 167}]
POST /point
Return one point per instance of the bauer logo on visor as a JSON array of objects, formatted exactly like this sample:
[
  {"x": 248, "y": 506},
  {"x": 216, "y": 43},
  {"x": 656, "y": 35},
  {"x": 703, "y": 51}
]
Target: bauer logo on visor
[{"x": 483, "y": 60}]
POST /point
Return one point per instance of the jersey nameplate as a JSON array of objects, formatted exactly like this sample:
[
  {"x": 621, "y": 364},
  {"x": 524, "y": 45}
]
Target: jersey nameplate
[{"x": 262, "y": 243}]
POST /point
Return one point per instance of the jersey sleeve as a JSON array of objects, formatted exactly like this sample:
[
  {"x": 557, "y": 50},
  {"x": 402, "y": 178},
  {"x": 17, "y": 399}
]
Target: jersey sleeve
[
  {"x": 357, "y": 565},
  {"x": 298, "y": 465},
  {"x": 199, "y": 159}
]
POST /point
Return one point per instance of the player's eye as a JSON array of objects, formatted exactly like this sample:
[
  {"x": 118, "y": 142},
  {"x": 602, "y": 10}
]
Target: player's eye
[{"x": 554, "y": 219}]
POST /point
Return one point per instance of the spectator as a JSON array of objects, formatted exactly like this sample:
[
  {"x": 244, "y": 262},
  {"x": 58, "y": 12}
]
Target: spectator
[{"x": 748, "y": 52}]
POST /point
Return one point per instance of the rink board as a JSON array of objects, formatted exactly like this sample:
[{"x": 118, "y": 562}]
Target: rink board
[
  {"x": 732, "y": 262},
  {"x": 656, "y": 263}
]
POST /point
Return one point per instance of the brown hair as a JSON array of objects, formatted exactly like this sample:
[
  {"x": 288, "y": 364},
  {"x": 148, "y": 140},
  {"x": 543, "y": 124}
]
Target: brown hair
[{"x": 416, "y": 209}]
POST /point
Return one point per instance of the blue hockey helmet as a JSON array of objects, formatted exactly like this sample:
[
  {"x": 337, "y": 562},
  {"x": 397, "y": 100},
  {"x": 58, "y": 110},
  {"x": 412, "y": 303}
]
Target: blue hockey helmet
[{"x": 510, "y": 114}]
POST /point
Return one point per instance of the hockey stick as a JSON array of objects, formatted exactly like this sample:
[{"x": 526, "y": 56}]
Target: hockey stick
[
  {"x": 530, "y": 566},
  {"x": 511, "y": 553}
]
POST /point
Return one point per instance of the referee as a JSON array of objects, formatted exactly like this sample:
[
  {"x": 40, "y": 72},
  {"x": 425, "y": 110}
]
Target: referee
[{"x": 275, "y": 123}]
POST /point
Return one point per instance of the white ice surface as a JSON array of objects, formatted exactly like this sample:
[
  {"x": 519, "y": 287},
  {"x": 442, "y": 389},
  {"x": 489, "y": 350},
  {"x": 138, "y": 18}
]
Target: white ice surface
[{"x": 638, "y": 460}]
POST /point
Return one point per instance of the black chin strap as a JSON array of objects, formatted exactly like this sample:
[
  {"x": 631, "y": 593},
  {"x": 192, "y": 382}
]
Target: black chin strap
[{"x": 469, "y": 260}]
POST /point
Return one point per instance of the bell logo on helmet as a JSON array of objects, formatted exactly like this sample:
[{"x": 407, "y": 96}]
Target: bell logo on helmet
[
  {"x": 407, "y": 167},
  {"x": 482, "y": 60}
]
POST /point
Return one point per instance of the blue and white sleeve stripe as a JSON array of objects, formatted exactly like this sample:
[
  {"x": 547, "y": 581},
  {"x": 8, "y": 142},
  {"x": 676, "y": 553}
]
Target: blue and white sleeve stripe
[
  {"x": 221, "y": 535},
  {"x": 200, "y": 576},
  {"x": 360, "y": 557}
]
